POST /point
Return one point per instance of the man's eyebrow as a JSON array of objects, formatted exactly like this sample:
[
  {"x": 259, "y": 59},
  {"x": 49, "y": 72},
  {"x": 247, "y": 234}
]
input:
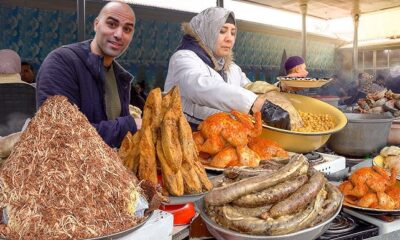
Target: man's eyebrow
[{"x": 114, "y": 19}]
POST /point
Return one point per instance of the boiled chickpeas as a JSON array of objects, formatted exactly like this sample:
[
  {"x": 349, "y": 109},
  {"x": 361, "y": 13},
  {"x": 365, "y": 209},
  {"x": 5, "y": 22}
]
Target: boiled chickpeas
[{"x": 314, "y": 122}]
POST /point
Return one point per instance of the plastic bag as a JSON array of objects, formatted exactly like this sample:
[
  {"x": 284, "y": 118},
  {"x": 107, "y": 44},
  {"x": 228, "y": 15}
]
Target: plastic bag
[
  {"x": 275, "y": 116},
  {"x": 280, "y": 100}
]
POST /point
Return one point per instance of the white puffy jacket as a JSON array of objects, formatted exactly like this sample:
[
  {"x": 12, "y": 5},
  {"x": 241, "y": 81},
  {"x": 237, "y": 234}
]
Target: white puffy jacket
[{"x": 203, "y": 90}]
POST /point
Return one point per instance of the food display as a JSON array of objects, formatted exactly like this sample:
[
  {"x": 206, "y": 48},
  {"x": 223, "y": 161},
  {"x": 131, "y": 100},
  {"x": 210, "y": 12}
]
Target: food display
[
  {"x": 272, "y": 201},
  {"x": 62, "y": 181},
  {"x": 165, "y": 141},
  {"x": 231, "y": 139},
  {"x": 372, "y": 187},
  {"x": 384, "y": 101},
  {"x": 314, "y": 122}
]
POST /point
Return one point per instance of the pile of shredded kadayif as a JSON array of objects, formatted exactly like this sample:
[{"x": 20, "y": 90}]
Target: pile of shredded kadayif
[{"x": 63, "y": 182}]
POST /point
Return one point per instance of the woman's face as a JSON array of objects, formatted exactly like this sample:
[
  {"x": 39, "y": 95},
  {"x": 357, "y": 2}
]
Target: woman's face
[{"x": 225, "y": 40}]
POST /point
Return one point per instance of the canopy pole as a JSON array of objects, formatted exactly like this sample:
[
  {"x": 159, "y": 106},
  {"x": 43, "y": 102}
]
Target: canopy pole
[
  {"x": 220, "y": 3},
  {"x": 356, "y": 18},
  {"x": 303, "y": 9},
  {"x": 80, "y": 19}
]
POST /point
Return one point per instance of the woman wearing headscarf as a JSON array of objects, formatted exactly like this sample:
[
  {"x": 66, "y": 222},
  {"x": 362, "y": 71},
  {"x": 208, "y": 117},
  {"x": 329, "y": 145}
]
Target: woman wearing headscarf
[
  {"x": 208, "y": 79},
  {"x": 10, "y": 67}
]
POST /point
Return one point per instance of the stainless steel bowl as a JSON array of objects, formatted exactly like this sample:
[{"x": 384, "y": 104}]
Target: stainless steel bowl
[
  {"x": 222, "y": 233},
  {"x": 124, "y": 232},
  {"x": 364, "y": 134}
]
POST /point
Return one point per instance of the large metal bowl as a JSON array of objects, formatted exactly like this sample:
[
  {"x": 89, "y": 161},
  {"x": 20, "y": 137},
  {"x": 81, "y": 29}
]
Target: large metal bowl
[
  {"x": 222, "y": 233},
  {"x": 301, "y": 142},
  {"x": 124, "y": 232},
  {"x": 363, "y": 135}
]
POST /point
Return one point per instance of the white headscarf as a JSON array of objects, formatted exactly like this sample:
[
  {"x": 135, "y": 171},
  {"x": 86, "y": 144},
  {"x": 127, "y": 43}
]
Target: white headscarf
[
  {"x": 10, "y": 62},
  {"x": 207, "y": 25}
]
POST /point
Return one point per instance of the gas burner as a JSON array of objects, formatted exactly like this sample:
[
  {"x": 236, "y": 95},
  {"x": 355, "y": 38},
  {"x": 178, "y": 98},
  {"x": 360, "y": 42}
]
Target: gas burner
[
  {"x": 347, "y": 227},
  {"x": 314, "y": 158},
  {"x": 341, "y": 224}
]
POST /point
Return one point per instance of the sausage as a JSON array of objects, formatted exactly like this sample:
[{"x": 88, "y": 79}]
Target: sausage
[
  {"x": 301, "y": 219},
  {"x": 272, "y": 194},
  {"x": 331, "y": 204},
  {"x": 299, "y": 199},
  {"x": 226, "y": 194},
  {"x": 249, "y": 211},
  {"x": 239, "y": 173},
  {"x": 232, "y": 219}
]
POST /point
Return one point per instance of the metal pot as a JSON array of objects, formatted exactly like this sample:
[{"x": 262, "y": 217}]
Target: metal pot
[
  {"x": 394, "y": 134},
  {"x": 364, "y": 134}
]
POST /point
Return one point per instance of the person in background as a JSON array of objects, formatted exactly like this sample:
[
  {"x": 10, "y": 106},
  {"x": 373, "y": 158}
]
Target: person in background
[
  {"x": 333, "y": 88},
  {"x": 27, "y": 73},
  {"x": 140, "y": 88},
  {"x": 90, "y": 77},
  {"x": 208, "y": 79},
  {"x": 10, "y": 67},
  {"x": 295, "y": 66},
  {"x": 136, "y": 99},
  {"x": 380, "y": 80},
  {"x": 356, "y": 90}
]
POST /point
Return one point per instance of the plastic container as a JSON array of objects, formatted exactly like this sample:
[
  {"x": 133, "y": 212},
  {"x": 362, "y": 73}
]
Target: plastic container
[{"x": 183, "y": 213}]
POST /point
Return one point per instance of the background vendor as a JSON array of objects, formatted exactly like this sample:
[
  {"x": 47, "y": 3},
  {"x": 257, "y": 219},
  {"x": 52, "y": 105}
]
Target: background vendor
[{"x": 295, "y": 66}]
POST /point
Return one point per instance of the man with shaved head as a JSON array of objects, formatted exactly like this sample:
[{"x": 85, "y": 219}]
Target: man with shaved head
[{"x": 90, "y": 77}]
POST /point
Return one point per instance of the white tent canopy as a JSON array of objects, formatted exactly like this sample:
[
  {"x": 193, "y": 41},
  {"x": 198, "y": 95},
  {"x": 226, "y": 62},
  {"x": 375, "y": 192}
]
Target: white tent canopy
[{"x": 374, "y": 26}]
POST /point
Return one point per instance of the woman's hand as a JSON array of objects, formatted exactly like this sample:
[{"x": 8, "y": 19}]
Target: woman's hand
[{"x": 258, "y": 103}]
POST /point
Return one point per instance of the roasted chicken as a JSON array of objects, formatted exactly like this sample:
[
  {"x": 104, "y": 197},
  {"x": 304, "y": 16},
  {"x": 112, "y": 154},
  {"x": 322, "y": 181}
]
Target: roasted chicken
[
  {"x": 371, "y": 187},
  {"x": 231, "y": 139}
]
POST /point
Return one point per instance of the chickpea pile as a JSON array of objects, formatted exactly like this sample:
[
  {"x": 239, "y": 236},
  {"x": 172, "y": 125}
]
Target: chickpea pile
[{"x": 314, "y": 122}]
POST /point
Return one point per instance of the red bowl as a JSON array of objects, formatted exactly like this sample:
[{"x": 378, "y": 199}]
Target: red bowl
[{"x": 183, "y": 213}]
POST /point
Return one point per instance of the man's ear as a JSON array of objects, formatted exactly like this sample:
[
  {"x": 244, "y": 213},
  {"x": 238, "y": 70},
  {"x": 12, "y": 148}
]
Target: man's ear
[{"x": 95, "y": 23}]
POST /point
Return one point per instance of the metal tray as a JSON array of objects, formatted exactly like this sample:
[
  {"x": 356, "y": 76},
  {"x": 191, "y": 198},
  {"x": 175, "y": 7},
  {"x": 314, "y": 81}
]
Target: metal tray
[
  {"x": 304, "y": 82},
  {"x": 184, "y": 199},
  {"x": 124, "y": 232},
  {"x": 372, "y": 211},
  {"x": 213, "y": 169},
  {"x": 222, "y": 233}
]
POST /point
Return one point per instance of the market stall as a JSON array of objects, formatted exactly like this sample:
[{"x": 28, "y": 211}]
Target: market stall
[{"x": 325, "y": 175}]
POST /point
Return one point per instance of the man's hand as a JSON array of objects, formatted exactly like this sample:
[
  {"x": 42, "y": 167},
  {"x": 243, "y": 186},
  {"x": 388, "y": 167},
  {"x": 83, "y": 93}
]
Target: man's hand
[
  {"x": 138, "y": 122},
  {"x": 135, "y": 112}
]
